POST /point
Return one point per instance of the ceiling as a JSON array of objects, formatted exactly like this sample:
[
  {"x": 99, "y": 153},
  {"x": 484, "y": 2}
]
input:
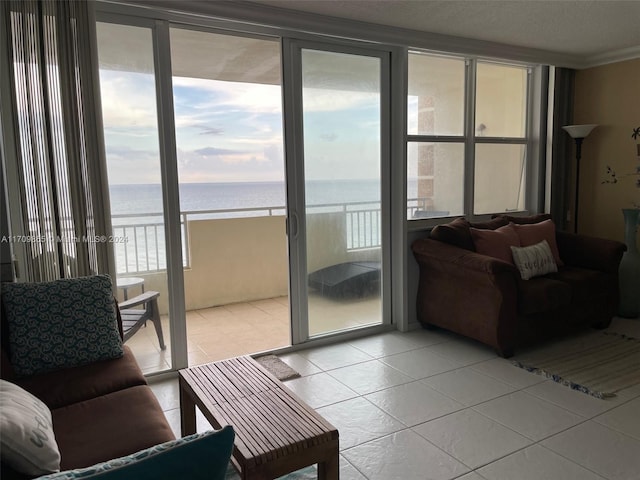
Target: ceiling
[{"x": 586, "y": 31}]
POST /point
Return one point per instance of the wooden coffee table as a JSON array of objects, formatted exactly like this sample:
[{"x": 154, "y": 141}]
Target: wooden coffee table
[{"x": 276, "y": 432}]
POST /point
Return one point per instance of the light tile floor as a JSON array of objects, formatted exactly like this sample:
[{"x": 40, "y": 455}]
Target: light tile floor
[{"x": 432, "y": 405}]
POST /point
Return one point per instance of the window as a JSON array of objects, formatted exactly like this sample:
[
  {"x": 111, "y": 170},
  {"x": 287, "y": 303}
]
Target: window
[
  {"x": 435, "y": 153},
  {"x": 500, "y": 143},
  {"x": 452, "y": 171}
]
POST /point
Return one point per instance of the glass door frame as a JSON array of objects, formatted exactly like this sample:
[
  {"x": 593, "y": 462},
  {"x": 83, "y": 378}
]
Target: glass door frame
[
  {"x": 169, "y": 179},
  {"x": 295, "y": 178}
]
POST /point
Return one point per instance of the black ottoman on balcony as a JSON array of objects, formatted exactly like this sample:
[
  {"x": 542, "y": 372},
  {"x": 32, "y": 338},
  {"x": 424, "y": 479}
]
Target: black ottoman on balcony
[{"x": 351, "y": 279}]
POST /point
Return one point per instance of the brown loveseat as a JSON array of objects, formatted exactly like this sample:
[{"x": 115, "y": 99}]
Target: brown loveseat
[
  {"x": 486, "y": 299},
  {"x": 100, "y": 411}
]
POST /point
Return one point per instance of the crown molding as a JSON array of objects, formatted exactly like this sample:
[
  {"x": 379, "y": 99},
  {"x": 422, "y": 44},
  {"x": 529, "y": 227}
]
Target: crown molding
[
  {"x": 294, "y": 23},
  {"x": 616, "y": 56}
]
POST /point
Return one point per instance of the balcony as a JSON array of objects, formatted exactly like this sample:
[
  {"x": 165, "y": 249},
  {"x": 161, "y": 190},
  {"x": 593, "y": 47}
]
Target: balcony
[{"x": 236, "y": 276}]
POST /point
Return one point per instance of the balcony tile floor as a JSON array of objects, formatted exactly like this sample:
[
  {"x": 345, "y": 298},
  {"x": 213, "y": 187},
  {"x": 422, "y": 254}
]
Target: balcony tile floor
[
  {"x": 475, "y": 417},
  {"x": 246, "y": 328},
  {"x": 217, "y": 333}
]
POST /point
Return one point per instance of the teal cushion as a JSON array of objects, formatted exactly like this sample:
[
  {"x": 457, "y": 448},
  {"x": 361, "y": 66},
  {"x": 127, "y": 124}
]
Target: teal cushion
[
  {"x": 61, "y": 324},
  {"x": 198, "y": 456}
]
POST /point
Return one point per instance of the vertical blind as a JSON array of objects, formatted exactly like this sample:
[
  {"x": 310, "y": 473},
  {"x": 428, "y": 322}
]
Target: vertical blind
[{"x": 59, "y": 153}]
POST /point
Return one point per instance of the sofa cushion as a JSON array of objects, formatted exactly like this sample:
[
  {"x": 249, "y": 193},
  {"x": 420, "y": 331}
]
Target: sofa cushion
[
  {"x": 27, "y": 440},
  {"x": 586, "y": 285},
  {"x": 110, "y": 426},
  {"x": 455, "y": 233},
  {"x": 60, "y": 324},
  {"x": 491, "y": 224},
  {"x": 198, "y": 456},
  {"x": 71, "y": 385},
  {"x": 496, "y": 243},
  {"x": 534, "y": 260},
  {"x": 533, "y": 233},
  {"x": 542, "y": 294}
]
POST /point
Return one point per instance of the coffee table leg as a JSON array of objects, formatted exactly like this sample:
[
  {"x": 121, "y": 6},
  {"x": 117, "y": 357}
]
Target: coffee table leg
[
  {"x": 330, "y": 468},
  {"x": 187, "y": 412}
]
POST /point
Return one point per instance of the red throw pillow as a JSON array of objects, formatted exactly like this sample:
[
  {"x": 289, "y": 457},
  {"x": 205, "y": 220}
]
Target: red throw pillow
[
  {"x": 534, "y": 233},
  {"x": 496, "y": 243}
]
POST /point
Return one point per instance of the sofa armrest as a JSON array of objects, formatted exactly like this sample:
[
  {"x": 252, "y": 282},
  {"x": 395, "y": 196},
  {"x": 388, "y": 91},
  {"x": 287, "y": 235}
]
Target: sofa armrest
[
  {"x": 467, "y": 293},
  {"x": 590, "y": 252}
]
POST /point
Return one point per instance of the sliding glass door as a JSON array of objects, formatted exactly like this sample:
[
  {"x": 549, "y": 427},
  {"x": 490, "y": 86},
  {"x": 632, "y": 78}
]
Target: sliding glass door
[
  {"x": 207, "y": 200},
  {"x": 337, "y": 150},
  {"x": 128, "y": 81},
  {"x": 228, "y": 117}
]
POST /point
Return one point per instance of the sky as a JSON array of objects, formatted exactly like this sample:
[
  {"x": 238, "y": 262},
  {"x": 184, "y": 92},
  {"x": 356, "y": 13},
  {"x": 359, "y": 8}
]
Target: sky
[{"x": 232, "y": 131}]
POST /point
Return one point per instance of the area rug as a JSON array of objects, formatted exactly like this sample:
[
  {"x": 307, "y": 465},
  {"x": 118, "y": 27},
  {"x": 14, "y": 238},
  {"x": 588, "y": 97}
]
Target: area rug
[
  {"x": 277, "y": 367},
  {"x": 597, "y": 363}
]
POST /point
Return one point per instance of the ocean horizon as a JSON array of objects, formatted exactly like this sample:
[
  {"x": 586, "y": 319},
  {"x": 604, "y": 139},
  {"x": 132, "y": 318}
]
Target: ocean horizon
[{"x": 127, "y": 199}]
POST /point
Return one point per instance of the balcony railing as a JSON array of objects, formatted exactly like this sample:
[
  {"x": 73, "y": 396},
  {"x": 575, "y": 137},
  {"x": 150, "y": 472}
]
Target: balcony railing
[{"x": 141, "y": 238}]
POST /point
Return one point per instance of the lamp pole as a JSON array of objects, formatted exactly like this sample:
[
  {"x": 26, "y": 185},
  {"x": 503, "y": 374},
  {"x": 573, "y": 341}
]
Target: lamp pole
[
  {"x": 578, "y": 156},
  {"x": 578, "y": 133}
]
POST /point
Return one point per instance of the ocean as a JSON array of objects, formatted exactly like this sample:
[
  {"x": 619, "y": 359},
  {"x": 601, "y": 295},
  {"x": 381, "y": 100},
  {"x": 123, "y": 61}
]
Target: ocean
[{"x": 147, "y": 199}]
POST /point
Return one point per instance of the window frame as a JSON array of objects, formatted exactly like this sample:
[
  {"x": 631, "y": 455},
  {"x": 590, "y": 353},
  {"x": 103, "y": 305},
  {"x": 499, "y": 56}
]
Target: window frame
[{"x": 470, "y": 139}]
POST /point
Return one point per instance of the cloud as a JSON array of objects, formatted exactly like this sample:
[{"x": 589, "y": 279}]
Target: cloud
[
  {"x": 126, "y": 165},
  {"x": 248, "y": 97},
  {"x": 329, "y": 100},
  {"x": 329, "y": 137},
  {"x": 212, "y": 164},
  {"x": 212, "y": 151},
  {"x": 210, "y": 130},
  {"x": 128, "y": 99}
]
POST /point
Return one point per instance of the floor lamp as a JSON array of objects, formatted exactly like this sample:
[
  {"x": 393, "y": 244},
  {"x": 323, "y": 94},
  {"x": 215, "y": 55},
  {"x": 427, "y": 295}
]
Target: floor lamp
[{"x": 578, "y": 133}]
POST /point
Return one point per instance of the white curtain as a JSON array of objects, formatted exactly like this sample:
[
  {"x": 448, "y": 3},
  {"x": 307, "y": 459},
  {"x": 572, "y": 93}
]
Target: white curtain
[{"x": 58, "y": 148}]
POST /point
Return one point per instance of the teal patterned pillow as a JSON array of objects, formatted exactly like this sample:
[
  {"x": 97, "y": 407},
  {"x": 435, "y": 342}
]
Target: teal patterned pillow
[
  {"x": 198, "y": 456},
  {"x": 61, "y": 324}
]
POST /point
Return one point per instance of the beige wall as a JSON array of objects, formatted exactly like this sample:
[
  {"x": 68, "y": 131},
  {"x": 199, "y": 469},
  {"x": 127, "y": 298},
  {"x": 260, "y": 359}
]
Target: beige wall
[
  {"x": 232, "y": 260},
  {"x": 245, "y": 259},
  {"x": 609, "y": 96},
  {"x": 236, "y": 260}
]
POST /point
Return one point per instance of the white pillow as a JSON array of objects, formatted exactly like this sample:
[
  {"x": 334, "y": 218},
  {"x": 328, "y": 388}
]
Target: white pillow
[
  {"x": 27, "y": 441},
  {"x": 534, "y": 260}
]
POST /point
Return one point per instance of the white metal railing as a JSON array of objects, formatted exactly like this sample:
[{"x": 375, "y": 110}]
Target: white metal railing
[{"x": 139, "y": 241}]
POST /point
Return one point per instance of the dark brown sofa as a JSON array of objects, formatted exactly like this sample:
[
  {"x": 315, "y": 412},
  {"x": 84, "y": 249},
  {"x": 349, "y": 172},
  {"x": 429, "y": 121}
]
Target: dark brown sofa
[
  {"x": 485, "y": 298},
  {"x": 100, "y": 411}
]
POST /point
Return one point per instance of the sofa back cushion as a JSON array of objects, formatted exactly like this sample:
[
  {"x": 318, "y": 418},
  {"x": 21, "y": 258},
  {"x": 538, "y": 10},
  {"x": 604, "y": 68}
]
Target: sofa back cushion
[
  {"x": 540, "y": 217},
  {"x": 496, "y": 243},
  {"x": 60, "y": 324},
  {"x": 457, "y": 231},
  {"x": 454, "y": 233},
  {"x": 534, "y": 233}
]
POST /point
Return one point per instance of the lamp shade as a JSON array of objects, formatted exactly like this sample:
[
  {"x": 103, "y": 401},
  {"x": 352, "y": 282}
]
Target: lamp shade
[{"x": 579, "y": 131}]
